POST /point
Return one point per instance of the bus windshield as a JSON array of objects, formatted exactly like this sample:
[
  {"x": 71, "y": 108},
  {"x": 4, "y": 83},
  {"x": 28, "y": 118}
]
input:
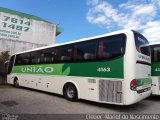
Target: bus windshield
[
  {"x": 142, "y": 44},
  {"x": 10, "y": 66},
  {"x": 155, "y": 51}
]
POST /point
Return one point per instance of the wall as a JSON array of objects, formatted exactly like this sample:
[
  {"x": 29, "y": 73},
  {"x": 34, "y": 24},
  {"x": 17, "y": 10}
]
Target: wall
[{"x": 20, "y": 32}]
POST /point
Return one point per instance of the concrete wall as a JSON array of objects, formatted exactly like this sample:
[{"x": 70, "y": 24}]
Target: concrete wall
[
  {"x": 20, "y": 32},
  {"x": 14, "y": 46}
]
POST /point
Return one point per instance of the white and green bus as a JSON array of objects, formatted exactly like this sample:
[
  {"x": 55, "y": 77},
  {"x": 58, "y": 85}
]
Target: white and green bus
[
  {"x": 155, "y": 67},
  {"x": 111, "y": 68}
]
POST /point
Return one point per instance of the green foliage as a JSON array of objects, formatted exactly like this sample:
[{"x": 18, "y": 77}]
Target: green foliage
[{"x": 4, "y": 56}]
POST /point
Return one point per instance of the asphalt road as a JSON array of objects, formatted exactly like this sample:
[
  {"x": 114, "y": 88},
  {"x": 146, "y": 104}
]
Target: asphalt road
[{"x": 28, "y": 101}]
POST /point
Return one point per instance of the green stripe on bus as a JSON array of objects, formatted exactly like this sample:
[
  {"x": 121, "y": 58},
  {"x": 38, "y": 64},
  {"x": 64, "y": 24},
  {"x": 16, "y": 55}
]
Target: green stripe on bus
[
  {"x": 155, "y": 69},
  {"x": 105, "y": 69},
  {"x": 144, "y": 81}
]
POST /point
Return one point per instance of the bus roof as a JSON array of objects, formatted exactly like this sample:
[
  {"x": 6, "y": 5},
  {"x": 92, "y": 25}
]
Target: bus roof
[
  {"x": 80, "y": 40},
  {"x": 154, "y": 43}
]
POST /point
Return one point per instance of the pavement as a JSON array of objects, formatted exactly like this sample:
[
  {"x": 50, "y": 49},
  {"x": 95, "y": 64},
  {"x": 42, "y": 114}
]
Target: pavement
[{"x": 28, "y": 101}]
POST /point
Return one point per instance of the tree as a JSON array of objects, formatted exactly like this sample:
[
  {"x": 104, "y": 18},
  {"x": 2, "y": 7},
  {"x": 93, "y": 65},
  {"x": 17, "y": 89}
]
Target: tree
[{"x": 4, "y": 56}]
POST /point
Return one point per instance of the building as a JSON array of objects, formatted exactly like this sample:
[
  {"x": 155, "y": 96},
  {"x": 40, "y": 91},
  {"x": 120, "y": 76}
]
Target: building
[{"x": 20, "y": 31}]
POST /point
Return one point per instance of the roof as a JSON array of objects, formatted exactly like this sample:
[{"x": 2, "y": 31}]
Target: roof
[
  {"x": 5, "y": 10},
  {"x": 81, "y": 40},
  {"x": 59, "y": 30}
]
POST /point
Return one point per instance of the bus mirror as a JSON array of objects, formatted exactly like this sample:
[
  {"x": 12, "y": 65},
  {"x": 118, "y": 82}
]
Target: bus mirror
[{"x": 6, "y": 64}]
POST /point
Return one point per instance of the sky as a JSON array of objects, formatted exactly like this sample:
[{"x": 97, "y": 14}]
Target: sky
[{"x": 87, "y": 18}]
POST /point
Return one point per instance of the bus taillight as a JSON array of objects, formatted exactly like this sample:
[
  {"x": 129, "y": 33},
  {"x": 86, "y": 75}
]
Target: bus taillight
[{"x": 133, "y": 85}]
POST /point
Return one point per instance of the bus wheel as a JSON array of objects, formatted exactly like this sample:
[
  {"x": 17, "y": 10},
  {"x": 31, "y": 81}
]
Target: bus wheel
[
  {"x": 70, "y": 92},
  {"x": 16, "y": 83}
]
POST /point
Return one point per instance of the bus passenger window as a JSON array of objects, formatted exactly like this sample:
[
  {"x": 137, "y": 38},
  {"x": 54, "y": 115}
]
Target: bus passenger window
[
  {"x": 111, "y": 47},
  {"x": 106, "y": 55},
  {"x": 26, "y": 61},
  {"x": 64, "y": 54},
  {"x": 65, "y": 58},
  {"x": 37, "y": 60},
  {"x": 89, "y": 56},
  {"x": 42, "y": 58},
  {"x": 86, "y": 51}
]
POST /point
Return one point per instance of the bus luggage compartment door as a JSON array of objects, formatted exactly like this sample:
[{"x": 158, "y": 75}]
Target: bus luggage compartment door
[{"x": 110, "y": 91}]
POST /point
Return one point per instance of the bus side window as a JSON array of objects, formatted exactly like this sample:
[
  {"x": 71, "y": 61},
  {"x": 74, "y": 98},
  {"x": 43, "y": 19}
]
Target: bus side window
[
  {"x": 42, "y": 58},
  {"x": 47, "y": 56},
  {"x": 26, "y": 61},
  {"x": 86, "y": 51},
  {"x": 74, "y": 53},
  {"x": 36, "y": 61},
  {"x": 47, "y": 60},
  {"x": 53, "y": 55},
  {"x": 65, "y": 58},
  {"x": 64, "y": 54},
  {"x": 122, "y": 50},
  {"x": 34, "y": 57},
  {"x": 100, "y": 50},
  {"x": 33, "y": 61},
  {"x": 111, "y": 47},
  {"x": 56, "y": 55},
  {"x": 104, "y": 50},
  {"x": 18, "y": 60},
  {"x": 89, "y": 56}
]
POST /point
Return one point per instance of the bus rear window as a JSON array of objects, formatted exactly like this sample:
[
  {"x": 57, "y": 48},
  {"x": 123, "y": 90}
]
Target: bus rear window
[{"x": 142, "y": 44}]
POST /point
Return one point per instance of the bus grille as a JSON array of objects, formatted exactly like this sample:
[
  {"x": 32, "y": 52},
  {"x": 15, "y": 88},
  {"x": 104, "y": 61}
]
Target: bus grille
[{"x": 110, "y": 91}]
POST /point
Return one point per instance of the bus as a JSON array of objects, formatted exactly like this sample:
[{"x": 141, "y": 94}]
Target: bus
[
  {"x": 155, "y": 67},
  {"x": 113, "y": 68}
]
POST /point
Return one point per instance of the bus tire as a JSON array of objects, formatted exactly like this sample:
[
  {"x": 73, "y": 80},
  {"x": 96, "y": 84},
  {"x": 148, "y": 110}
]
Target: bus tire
[
  {"x": 70, "y": 92},
  {"x": 15, "y": 82}
]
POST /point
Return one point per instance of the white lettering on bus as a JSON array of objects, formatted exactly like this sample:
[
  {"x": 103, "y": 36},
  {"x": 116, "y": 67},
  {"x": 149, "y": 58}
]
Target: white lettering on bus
[
  {"x": 37, "y": 69},
  {"x": 48, "y": 70},
  {"x": 40, "y": 70},
  {"x": 104, "y": 69}
]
